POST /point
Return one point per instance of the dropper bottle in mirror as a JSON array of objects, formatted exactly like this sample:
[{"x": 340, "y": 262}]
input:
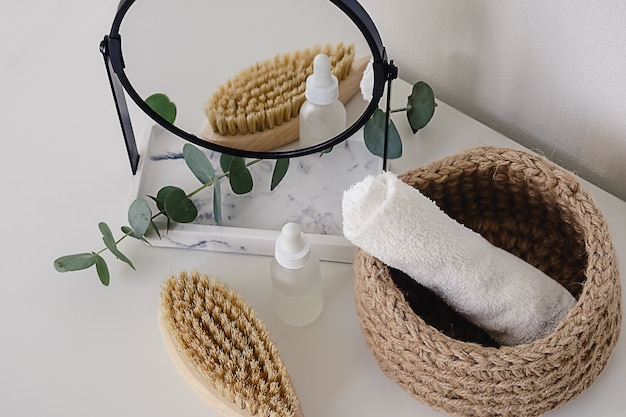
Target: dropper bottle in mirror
[
  {"x": 296, "y": 278},
  {"x": 322, "y": 116}
]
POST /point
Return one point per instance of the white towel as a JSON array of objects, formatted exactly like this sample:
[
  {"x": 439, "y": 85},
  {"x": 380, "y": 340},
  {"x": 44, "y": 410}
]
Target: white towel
[{"x": 511, "y": 300}]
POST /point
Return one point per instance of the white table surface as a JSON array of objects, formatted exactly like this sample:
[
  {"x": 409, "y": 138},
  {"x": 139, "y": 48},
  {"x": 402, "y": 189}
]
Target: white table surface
[{"x": 71, "y": 347}]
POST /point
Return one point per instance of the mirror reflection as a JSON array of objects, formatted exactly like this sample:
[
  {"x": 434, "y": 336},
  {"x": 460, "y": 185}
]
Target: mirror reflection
[{"x": 236, "y": 70}]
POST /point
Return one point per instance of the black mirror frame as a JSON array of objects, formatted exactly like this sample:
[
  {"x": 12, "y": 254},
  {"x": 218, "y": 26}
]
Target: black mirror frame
[{"x": 111, "y": 49}]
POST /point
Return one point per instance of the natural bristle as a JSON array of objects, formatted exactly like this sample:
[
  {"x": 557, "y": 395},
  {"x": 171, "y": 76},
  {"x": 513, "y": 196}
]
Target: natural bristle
[
  {"x": 271, "y": 92},
  {"x": 215, "y": 330}
]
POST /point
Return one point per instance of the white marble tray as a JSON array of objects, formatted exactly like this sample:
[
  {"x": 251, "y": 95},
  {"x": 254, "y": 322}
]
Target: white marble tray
[{"x": 309, "y": 195}]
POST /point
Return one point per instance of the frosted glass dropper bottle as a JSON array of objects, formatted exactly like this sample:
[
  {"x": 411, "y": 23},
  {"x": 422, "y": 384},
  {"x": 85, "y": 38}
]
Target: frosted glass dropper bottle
[
  {"x": 296, "y": 278},
  {"x": 322, "y": 116}
]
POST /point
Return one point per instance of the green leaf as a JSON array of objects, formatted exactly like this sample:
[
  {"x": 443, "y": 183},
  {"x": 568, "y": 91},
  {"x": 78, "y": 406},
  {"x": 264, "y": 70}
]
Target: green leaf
[
  {"x": 179, "y": 207},
  {"x": 162, "y": 106},
  {"x": 130, "y": 232},
  {"x": 109, "y": 241},
  {"x": 420, "y": 106},
  {"x": 161, "y": 207},
  {"x": 374, "y": 135},
  {"x": 74, "y": 262},
  {"x": 160, "y": 197},
  {"x": 394, "y": 145},
  {"x": 280, "y": 170},
  {"x": 225, "y": 161},
  {"x": 102, "y": 269},
  {"x": 217, "y": 203},
  {"x": 156, "y": 228},
  {"x": 240, "y": 177},
  {"x": 160, "y": 200},
  {"x": 139, "y": 216},
  {"x": 198, "y": 163},
  {"x": 325, "y": 151}
]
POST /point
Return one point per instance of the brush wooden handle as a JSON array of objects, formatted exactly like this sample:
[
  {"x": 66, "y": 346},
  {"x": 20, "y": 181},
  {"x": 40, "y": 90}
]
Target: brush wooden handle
[{"x": 288, "y": 131}]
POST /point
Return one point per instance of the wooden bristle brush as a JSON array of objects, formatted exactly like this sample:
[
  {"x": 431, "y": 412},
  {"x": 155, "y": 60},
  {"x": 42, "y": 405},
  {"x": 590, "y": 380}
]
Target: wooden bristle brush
[
  {"x": 223, "y": 349},
  {"x": 258, "y": 108}
]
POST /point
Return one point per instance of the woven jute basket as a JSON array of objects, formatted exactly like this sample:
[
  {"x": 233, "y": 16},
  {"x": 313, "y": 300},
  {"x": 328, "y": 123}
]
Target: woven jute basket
[{"x": 524, "y": 204}]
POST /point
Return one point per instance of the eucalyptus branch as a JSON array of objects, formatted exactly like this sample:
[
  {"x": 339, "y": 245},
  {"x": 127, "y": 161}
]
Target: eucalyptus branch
[{"x": 173, "y": 203}]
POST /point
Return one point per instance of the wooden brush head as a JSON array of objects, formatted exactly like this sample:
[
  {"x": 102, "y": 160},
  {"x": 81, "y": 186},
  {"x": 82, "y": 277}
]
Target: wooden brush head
[
  {"x": 223, "y": 349},
  {"x": 270, "y": 93}
]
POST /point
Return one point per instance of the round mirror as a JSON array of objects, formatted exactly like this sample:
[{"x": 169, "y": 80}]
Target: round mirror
[{"x": 235, "y": 70}]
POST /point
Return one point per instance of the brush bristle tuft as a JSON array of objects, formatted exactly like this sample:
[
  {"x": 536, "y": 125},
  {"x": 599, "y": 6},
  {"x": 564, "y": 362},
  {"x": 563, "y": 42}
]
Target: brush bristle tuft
[
  {"x": 271, "y": 92},
  {"x": 228, "y": 344}
]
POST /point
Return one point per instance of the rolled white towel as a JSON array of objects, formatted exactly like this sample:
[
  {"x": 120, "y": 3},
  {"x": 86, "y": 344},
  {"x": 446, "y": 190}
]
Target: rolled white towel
[{"x": 511, "y": 300}]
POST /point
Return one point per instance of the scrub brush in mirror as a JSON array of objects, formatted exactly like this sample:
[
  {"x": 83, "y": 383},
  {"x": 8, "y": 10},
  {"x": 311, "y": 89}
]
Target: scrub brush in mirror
[
  {"x": 257, "y": 109},
  {"x": 223, "y": 349}
]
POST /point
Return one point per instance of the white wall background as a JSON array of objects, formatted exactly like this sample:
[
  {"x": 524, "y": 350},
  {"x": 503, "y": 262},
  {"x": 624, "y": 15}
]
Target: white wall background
[{"x": 549, "y": 74}]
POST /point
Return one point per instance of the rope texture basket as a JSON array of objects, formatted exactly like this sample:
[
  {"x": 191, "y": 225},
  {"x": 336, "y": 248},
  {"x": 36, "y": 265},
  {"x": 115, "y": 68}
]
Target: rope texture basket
[{"x": 537, "y": 211}]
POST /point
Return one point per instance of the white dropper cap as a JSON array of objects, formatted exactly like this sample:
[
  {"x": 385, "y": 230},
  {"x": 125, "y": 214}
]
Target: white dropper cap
[
  {"x": 322, "y": 87},
  {"x": 293, "y": 249}
]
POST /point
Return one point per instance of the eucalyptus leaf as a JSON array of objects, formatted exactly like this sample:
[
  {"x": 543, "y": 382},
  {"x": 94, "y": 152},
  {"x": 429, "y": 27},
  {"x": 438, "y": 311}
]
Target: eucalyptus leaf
[
  {"x": 156, "y": 228},
  {"x": 74, "y": 262},
  {"x": 179, "y": 207},
  {"x": 109, "y": 241},
  {"x": 325, "y": 151},
  {"x": 161, "y": 195},
  {"x": 374, "y": 136},
  {"x": 139, "y": 216},
  {"x": 160, "y": 202},
  {"x": 161, "y": 207},
  {"x": 106, "y": 231},
  {"x": 103, "y": 270},
  {"x": 280, "y": 170},
  {"x": 130, "y": 232},
  {"x": 239, "y": 176},
  {"x": 225, "y": 161},
  {"x": 394, "y": 145},
  {"x": 198, "y": 163},
  {"x": 163, "y": 106},
  {"x": 420, "y": 106},
  {"x": 217, "y": 203}
]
